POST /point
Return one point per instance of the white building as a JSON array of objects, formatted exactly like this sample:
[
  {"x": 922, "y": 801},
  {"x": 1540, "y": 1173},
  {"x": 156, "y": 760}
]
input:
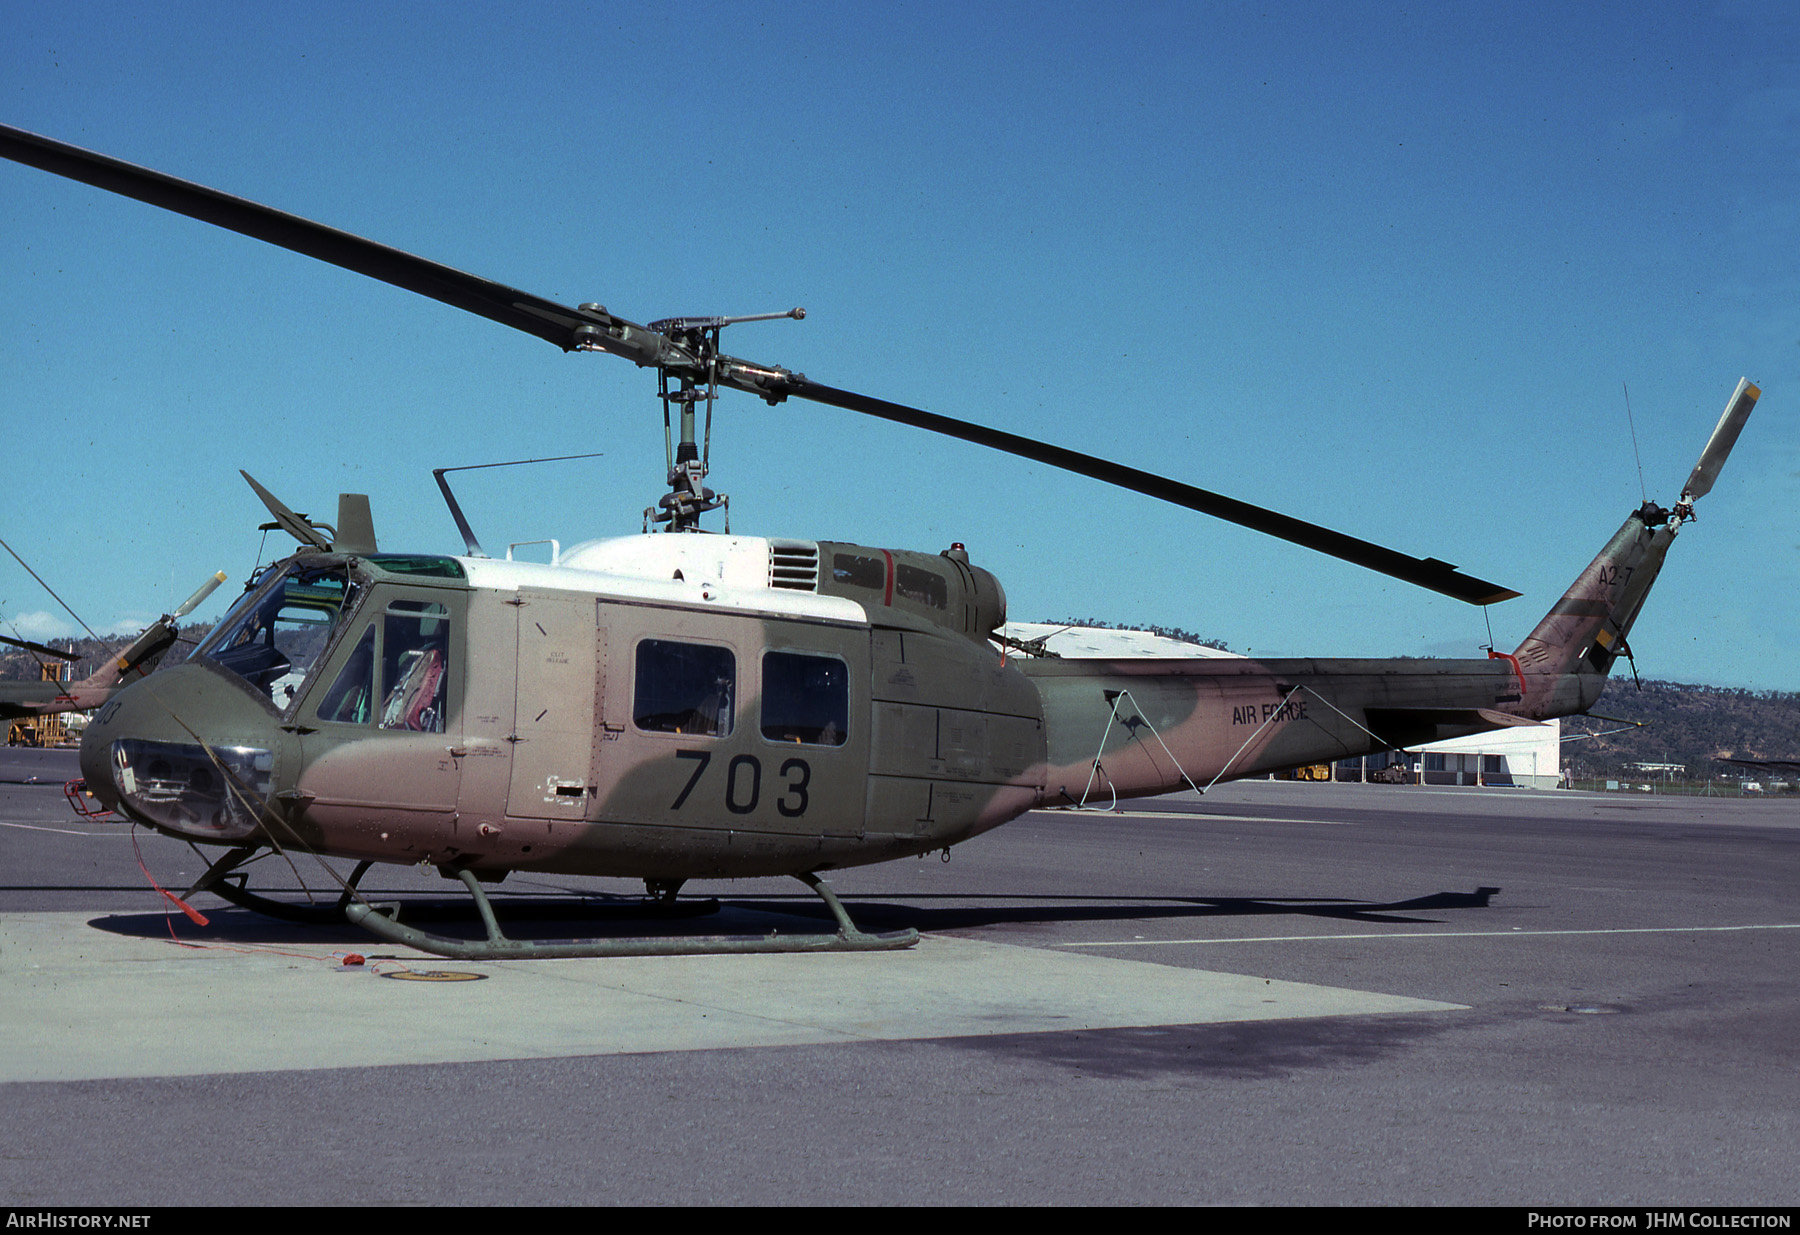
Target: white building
[{"x": 1529, "y": 756}]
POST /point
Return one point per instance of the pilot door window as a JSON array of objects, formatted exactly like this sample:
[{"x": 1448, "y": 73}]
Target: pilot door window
[
  {"x": 401, "y": 682},
  {"x": 806, "y": 699},
  {"x": 686, "y": 688}
]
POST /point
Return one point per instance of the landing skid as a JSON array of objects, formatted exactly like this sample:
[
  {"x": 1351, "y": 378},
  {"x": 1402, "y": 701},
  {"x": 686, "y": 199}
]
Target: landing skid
[
  {"x": 498, "y": 947},
  {"x": 232, "y": 886},
  {"x": 233, "y": 889}
]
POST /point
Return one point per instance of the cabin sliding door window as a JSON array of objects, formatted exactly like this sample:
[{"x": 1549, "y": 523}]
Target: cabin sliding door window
[
  {"x": 686, "y": 688},
  {"x": 805, "y": 699}
]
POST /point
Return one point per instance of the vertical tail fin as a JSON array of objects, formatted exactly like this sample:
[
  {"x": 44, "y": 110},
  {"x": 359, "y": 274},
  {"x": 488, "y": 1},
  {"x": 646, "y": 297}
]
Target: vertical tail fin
[{"x": 1585, "y": 631}]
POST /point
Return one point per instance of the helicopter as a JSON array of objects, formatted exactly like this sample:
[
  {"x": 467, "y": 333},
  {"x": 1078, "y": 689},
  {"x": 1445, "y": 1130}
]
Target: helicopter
[
  {"x": 21, "y": 700},
  {"x": 693, "y": 704}
]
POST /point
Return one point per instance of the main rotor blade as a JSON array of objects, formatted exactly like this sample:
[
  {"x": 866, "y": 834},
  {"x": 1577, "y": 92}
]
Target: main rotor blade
[
  {"x": 568, "y": 328},
  {"x": 591, "y": 328},
  {"x": 1724, "y": 437},
  {"x": 1426, "y": 572}
]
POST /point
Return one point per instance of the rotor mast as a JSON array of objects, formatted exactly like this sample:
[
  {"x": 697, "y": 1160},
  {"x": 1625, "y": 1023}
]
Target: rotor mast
[{"x": 690, "y": 459}]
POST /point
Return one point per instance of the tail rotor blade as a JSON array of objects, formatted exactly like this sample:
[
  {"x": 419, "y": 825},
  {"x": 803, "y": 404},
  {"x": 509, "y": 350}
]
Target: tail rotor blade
[
  {"x": 1724, "y": 437},
  {"x": 193, "y": 602}
]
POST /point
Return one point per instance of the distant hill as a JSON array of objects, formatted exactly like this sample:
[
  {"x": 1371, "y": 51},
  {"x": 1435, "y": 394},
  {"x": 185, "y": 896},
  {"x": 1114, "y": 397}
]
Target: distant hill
[
  {"x": 1696, "y": 726},
  {"x": 19, "y": 665}
]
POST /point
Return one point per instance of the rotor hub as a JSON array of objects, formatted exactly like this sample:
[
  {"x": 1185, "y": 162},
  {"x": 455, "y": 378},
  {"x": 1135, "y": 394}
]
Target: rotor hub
[{"x": 682, "y": 385}]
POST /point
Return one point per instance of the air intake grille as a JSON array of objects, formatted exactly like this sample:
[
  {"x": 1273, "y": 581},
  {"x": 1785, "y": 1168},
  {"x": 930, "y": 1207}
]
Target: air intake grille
[{"x": 794, "y": 565}]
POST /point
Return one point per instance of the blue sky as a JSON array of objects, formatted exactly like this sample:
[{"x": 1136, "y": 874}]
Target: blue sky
[{"x": 1385, "y": 268}]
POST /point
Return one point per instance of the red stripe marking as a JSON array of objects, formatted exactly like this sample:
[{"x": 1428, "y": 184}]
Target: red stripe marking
[{"x": 1514, "y": 661}]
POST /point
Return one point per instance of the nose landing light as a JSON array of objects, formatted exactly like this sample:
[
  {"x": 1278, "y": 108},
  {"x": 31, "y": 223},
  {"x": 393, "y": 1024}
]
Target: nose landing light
[{"x": 209, "y": 793}]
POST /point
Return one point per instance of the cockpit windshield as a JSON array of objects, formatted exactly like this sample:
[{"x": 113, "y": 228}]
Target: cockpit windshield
[{"x": 274, "y": 635}]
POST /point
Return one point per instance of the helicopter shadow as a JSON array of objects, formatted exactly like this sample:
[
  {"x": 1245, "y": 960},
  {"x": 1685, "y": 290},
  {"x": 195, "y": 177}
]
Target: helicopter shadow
[
  {"x": 874, "y": 912},
  {"x": 525, "y": 917},
  {"x": 540, "y": 917}
]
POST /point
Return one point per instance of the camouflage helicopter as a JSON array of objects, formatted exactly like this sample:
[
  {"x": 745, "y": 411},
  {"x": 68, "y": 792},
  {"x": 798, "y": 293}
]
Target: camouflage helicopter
[
  {"x": 21, "y": 700},
  {"x": 671, "y": 707}
]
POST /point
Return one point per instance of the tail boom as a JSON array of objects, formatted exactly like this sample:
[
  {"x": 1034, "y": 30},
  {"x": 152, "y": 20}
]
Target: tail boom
[{"x": 1139, "y": 727}]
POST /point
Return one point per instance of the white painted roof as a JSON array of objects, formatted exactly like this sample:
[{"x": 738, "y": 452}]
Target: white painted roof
[
  {"x": 737, "y": 562},
  {"x": 1094, "y": 641},
  {"x": 719, "y": 572}
]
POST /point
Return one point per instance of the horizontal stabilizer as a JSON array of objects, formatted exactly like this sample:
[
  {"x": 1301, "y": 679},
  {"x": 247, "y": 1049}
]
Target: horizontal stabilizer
[{"x": 1401, "y": 728}]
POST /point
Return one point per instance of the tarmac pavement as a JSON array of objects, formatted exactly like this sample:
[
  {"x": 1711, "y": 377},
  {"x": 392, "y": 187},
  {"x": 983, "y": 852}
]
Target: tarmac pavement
[{"x": 1279, "y": 993}]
